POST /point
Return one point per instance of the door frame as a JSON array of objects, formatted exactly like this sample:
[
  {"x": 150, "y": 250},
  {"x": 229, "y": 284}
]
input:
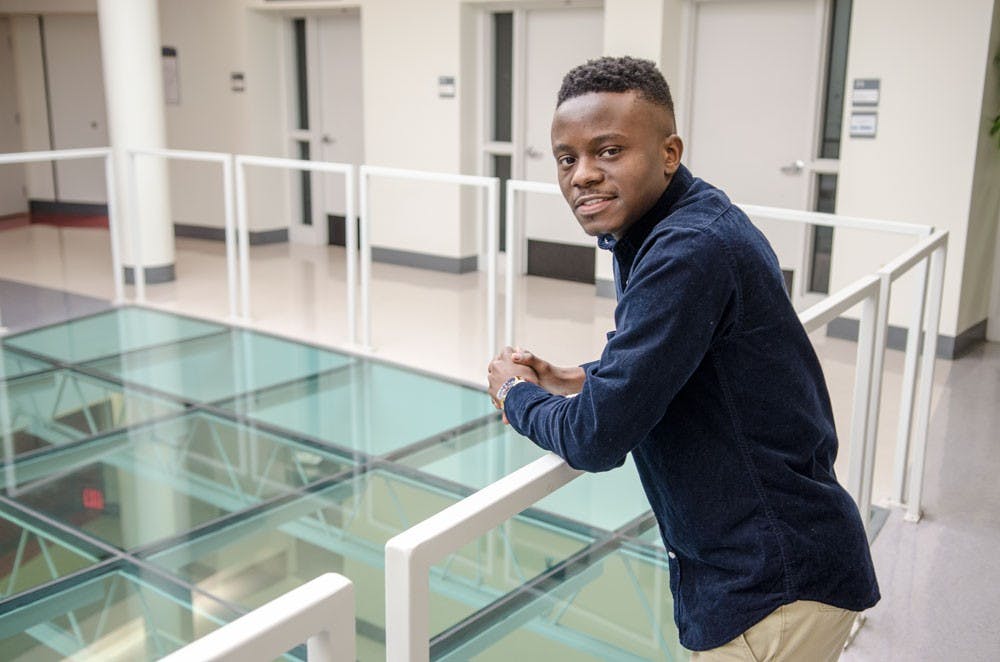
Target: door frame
[
  {"x": 486, "y": 147},
  {"x": 814, "y": 166}
]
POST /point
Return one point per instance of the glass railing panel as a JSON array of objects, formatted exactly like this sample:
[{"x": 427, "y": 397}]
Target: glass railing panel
[
  {"x": 14, "y": 364},
  {"x": 61, "y": 406},
  {"x": 220, "y": 366},
  {"x": 113, "y": 332},
  {"x": 367, "y": 407},
  {"x": 482, "y": 456},
  {"x": 157, "y": 481},
  {"x": 344, "y": 529},
  {"x": 117, "y": 615},
  {"x": 617, "y": 608},
  {"x": 30, "y": 557}
]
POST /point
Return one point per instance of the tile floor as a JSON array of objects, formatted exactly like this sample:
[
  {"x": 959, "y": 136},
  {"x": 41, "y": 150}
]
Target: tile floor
[{"x": 937, "y": 576}]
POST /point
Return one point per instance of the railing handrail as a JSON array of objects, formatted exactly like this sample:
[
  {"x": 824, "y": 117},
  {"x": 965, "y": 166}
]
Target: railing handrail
[
  {"x": 835, "y": 220},
  {"x": 320, "y": 612},
  {"x": 350, "y": 229},
  {"x": 54, "y": 155},
  {"x": 492, "y": 188}
]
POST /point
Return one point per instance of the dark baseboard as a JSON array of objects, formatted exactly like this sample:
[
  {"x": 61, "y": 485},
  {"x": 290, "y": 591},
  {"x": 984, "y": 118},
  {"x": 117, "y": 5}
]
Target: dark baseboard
[
  {"x": 67, "y": 208},
  {"x": 337, "y": 230},
  {"x": 563, "y": 261},
  {"x": 948, "y": 347},
  {"x": 219, "y": 234},
  {"x": 605, "y": 288},
  {"x": 154, "y": 275},
  {"x": 451, "y": 265}
]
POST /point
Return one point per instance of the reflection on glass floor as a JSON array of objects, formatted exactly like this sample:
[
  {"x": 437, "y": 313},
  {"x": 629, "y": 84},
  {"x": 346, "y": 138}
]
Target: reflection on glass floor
[{"x": 163, "y": 475}]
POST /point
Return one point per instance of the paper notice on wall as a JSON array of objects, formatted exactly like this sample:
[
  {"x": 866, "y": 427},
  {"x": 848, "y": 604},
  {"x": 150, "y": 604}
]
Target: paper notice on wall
[{"x": 171, "y": 82}]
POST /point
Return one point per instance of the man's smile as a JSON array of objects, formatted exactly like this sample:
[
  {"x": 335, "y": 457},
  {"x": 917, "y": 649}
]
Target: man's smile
[{"x": 593, "y": 202}]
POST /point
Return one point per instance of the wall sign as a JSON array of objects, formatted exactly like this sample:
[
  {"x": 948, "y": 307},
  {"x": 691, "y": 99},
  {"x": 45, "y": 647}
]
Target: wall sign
[
  {"x": 446, "y": 87},
  {"x": 866, "y": 92},
  {"x": 864, "y": 124},
  {"x": 171, "y": 82}
]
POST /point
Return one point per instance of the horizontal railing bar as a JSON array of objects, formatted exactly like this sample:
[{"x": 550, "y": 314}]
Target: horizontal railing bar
[
  {"x": 826, "y": 310},
  {"x": 835, "y": 220},
  {"x": 484, "y": 510},
  {"x": 532, "y": 187},
  {"x": 902, "y": 264},
  {"x": 55, "y": 155},
  {"x": 190, "y": 155},
  {"x": 295, "y": 164},
  {"x": 443, "y": 177}
]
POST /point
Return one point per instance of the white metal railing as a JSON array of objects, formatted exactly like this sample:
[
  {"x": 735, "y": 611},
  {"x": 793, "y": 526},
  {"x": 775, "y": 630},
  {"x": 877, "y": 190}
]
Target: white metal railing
[
  {"x": 135, "y": 226},
  {"x": 410, "y": 555},
  {"x": 110, "y": 187},
  {"x": 492, "y": 188},
  {"x": 320, "y": 612},
  {"x": 351, "y": 240}
]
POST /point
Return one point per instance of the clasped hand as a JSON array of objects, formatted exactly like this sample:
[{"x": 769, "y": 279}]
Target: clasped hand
[{"x": 516, "y": 362}]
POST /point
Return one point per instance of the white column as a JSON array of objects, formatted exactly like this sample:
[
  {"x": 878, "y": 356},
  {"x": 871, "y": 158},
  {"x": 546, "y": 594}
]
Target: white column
[{"x": 133, "y": 80}]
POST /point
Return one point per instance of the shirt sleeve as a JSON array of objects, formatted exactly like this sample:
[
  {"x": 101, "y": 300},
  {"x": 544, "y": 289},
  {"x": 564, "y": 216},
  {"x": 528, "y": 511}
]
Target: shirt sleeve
[{"x": 680, "y": 298}]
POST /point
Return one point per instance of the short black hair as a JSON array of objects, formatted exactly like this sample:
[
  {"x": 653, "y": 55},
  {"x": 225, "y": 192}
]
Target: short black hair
[{"x": 617, "y": 74}]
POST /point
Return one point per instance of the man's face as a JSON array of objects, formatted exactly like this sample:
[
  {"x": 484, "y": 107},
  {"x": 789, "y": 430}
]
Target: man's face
[{"x": 615, "y": 155}]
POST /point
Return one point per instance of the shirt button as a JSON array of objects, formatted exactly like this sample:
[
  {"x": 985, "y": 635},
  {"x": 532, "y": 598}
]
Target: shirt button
[{"x": 671, "y": 555}]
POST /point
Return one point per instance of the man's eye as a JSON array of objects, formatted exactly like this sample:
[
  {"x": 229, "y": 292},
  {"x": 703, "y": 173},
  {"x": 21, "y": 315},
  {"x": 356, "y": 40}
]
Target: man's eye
[
  {"x": 611, "y": 151},
  {"x": 565, "y": 161}
]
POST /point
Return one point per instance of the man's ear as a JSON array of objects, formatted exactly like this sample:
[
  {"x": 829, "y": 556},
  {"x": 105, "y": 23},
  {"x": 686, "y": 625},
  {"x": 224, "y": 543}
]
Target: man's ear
[{"x": 673, "y": 149}]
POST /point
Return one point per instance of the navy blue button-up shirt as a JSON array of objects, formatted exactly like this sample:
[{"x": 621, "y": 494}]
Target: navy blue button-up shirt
[{"x": 710, "y": 381}]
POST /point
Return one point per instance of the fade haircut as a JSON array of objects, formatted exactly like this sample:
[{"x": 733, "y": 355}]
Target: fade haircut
[{"x": 617, "y": 74}]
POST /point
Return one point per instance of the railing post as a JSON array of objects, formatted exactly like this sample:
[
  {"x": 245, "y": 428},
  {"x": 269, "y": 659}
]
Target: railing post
[
  {"x": 862, "y": 395},
  {"x": 407, "y": 601},
  {"x": 351, "y": 239},
  {"x": 138, "y": 269},
  {"x": 909, "y": 387},
  {"x": 913, "y": 505},
  {"x": 492, "y": 211},
  {"x": 114, "y": 228},
  {"x": 227, "y": 193},
  {"x": 875, "y": 397},
  {"x": 243, "y": 237},
  {"x": 512, "y": 254},
  {"x": 366, "y": 260}
]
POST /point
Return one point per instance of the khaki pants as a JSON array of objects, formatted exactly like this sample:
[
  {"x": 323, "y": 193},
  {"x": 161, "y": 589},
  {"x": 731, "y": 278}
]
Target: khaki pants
[{"x": 801, "y": 631}]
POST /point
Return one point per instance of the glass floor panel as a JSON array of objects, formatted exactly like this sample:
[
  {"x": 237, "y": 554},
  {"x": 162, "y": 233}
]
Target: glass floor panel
[
  {"x": 241, "y": 465},
  {"x": 61, "y": 406},
  {"x": 115, "y": 615},
  {"x": 482, "y": 456},
  {"x": 344, "y": 529},
  {"x": 13, "y": 364},
  {"x": 616, "y": 608},
  {"x": 154, "y": 482},
  {"x": 220, "y": 366},
  {"x": 367, "y": 407},
  {"x": 30, "y": 557},
  {"x": 113, "y": 332}
]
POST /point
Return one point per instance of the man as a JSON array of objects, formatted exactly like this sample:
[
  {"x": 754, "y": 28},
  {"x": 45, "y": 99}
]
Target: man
[{"x": 708, "y": 379}]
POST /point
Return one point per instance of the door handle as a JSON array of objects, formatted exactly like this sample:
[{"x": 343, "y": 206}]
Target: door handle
[
  {"x": 533, "y": 153},
  {"x": 794, "y": 168},
  {"x": 327, "y": 139}
]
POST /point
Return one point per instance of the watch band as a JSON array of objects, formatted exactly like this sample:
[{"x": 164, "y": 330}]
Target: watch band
[{"x": 505, "y": 389}]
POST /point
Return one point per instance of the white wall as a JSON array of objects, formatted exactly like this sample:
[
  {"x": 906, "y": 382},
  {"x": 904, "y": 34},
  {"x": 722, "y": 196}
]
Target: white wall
[
  {"x": 931, "y": 59},
  {"x": 213, "y": 40}
]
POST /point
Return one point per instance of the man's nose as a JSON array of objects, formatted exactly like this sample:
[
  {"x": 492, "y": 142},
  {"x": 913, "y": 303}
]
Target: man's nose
[{"x": 586, "y": 173}]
